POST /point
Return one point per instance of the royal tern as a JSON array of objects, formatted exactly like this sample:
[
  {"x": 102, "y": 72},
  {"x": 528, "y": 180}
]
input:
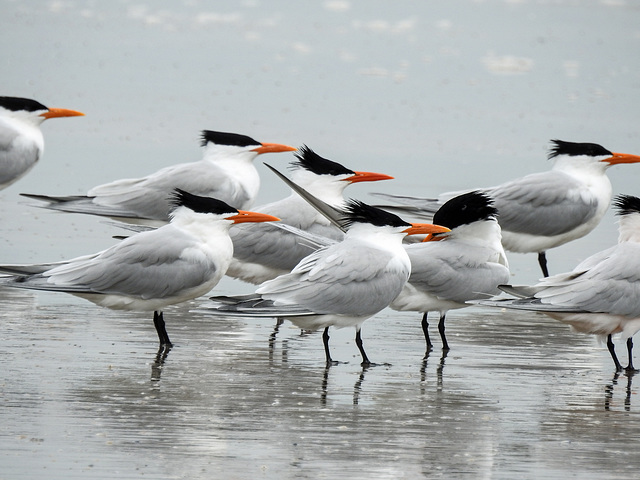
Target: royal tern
[
  {"x": 261, "y": 254},
  {"x": 339, "y": 285},
  {"x": 226, "y": 172},
  {"x": 548, "y": 209},
  {"x": 467, "y": 263},
  {"x": 601, "y": 296},
  {"x": 150, "y": 270},
  {"x": 21, "y": 140}
]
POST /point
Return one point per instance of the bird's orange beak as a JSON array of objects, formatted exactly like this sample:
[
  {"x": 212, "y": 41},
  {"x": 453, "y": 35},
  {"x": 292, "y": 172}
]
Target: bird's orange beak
[
  {"x": 622, "y": 158},
  {"x": 273, "y": 148},
  {"x": 244, "y": 216},
  {"x": 425, "y": 229},
  {"x": 61, "y": 112},
  {"x": 367, "y": 177},
  {"x": 431, "y": 238}
]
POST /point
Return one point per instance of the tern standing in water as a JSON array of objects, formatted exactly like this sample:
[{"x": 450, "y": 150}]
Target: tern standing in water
[
  {"x": 543, "y": 210},
  {"x": 601, "y": 296},
  {"x": 150, "y": 270}
]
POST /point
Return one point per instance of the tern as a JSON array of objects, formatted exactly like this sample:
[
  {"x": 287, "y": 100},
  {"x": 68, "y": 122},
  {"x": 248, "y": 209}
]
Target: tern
[
  {"x": 601, "y": 296},
  {"x": 21, "y": 140},
  {"x": 468, "y": 263},
  {"x": 263, "y": 253},
  {"x": 225, "y": 172},
  {"x": 341, "y": 284},
  {"x": 150, "y": 270},
  {"x": 548, "y": 209}
]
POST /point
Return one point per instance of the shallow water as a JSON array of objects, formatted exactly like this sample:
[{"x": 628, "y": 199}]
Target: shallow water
[
  {"x": 442, "y": 95},
  {"x": 86, "y": 395}
]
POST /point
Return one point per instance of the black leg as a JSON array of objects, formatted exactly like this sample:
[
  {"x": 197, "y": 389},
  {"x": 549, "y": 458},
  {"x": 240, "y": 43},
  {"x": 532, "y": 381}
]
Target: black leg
[
  {"x": 445, "y": 345},
  {"x": 365, "y": 359},
  {"x": 425, "y": 330},
  {"x": 325, "y": 341},
  {"x": 612, "y": 351},
  {"x": 542, "y": 261},
  {"x": 630, "y": 353},
  {"x": 158, "y": 321},
  {"x": 272, "y": 337}
]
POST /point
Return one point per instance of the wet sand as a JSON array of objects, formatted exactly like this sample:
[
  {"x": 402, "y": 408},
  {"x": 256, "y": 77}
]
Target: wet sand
[{"x": 84, "y": 394}]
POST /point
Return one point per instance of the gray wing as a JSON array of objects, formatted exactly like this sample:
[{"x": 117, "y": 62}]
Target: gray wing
[
  {"x": 548, "y": 203},
  {"x": 149, "y": 197},
  {"x": 347, "y": 278},
  {"x": 277, "y": 245},
  {"x": 270, "y": 246},
  {"x": 35, "y": 268},
  {"x": 82, "y": 204},
  {"x": 453, "y": 272},
  {"x": 611, "y": 285},
  {"x": 334, "y": 215},
  {"x": 147, "y": 265}
]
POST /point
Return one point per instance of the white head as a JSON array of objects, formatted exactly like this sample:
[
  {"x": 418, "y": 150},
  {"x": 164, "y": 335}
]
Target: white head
[
  {"x": 223, "y": 145},
  {"x": 31, "y": 111},
  {"x": 361, "y": 218},
  {"x": 629, "y": 210},
  {"x": 327, "y": 179},
  {"x": 195, "y": 208},
  {"x": 569, "y": 155}
]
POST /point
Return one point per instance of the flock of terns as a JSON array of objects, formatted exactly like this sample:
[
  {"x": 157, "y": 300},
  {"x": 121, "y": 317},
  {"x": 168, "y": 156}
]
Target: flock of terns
[{"x": 323, "y": 261}]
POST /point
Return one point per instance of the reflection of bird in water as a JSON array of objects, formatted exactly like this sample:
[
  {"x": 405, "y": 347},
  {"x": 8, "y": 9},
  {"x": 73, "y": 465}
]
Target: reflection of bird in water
[
  {"x": 609, "y": 390},
  {"x": 357, "y": 387},
  {"x": 150, "y": 270},
  {"x": 439, "y": 369},
  {"x": 21, "y": 140},
  {"x": 601, "y": 296},
  {"x": 543, "y": 210},
  {"x": 467, "y": 263},
  {"x": 158, "y": 363}
]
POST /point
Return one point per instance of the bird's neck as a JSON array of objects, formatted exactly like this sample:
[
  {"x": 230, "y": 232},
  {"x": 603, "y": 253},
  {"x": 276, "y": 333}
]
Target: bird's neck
[
  {"x": 239, "y": 168},
  {"x": 629, "y": 228},
  {"x": 580, "y": 168},
  {"x": 326, "y": 189},
  {"x": 28, "y": 130}
]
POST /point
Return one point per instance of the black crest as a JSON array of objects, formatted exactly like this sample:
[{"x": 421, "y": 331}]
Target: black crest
[
  {"x": 224, "y": 138},
  {"x": 627, "y": 204},
  {"x": 310, "y": 160},
  {"x": 359, "y": 212},
  {"x": 560, "y": 147},
  {"x": 199, "y": 204},
  {"x": 16, "y": 104},
  {"x": 465, "y": 209}
]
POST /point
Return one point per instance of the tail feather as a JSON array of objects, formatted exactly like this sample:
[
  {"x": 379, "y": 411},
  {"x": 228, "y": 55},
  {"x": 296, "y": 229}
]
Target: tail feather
[
  {"x": 54, "y": 200},
  {"x": 520, "y": 291},
  {"x": 252, "y": 305}
]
